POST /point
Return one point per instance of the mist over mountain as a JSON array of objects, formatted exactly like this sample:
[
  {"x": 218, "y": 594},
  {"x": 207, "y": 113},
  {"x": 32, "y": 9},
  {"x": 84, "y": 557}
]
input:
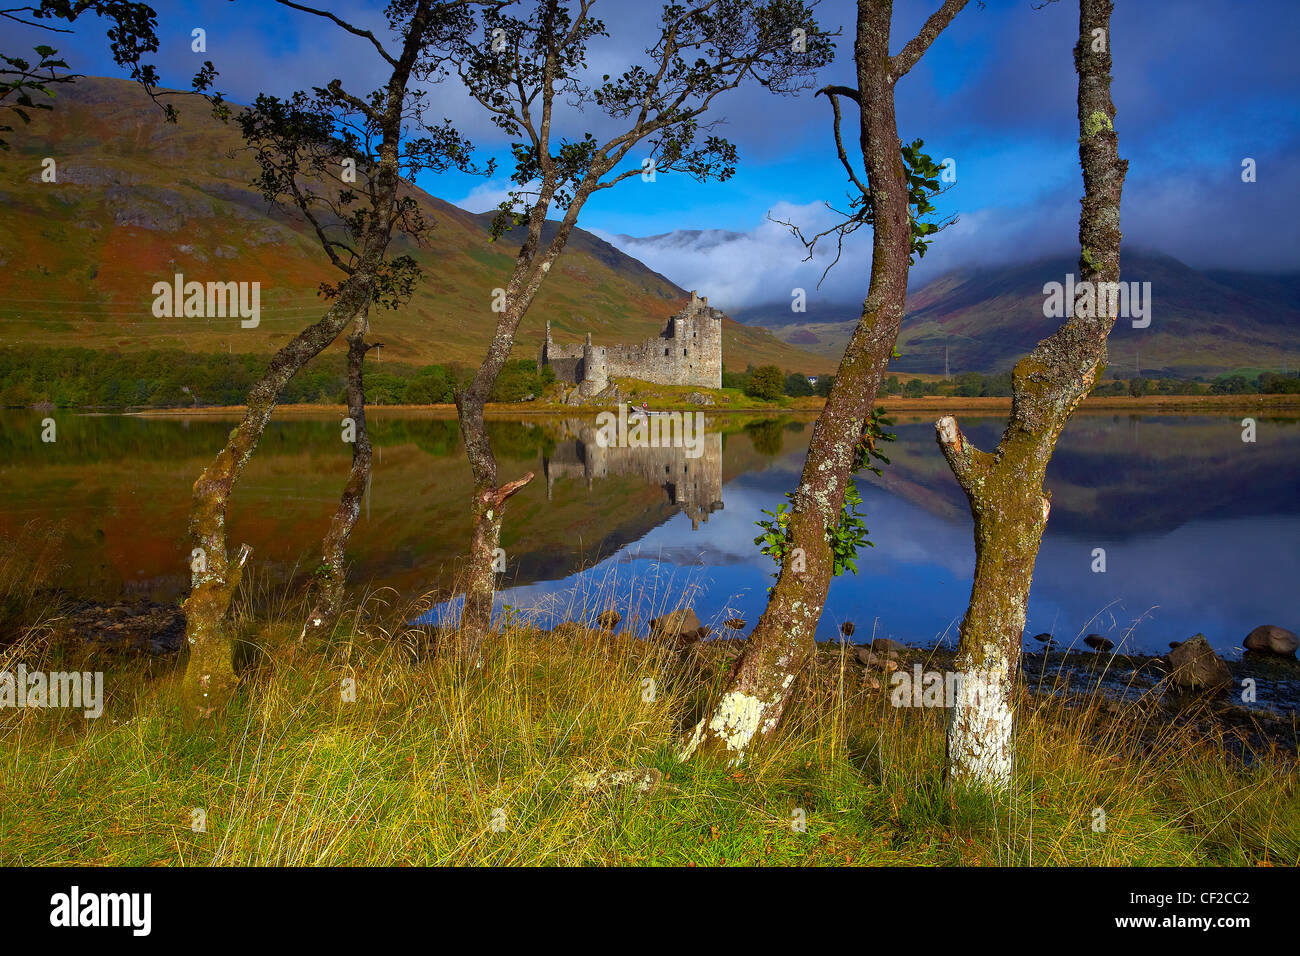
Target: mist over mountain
[{"x": 987, "y": 315}]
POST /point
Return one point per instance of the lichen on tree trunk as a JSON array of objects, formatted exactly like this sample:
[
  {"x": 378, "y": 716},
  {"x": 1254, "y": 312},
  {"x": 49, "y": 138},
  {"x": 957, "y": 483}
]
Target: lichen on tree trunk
[
  {"x": 763, "y": 681},
  {"x": 1005, "y": 488},
  {"x": 209, "y": 675},
  {"x": 1010, "y": 515},
  {"x": 326, "y": 599}
]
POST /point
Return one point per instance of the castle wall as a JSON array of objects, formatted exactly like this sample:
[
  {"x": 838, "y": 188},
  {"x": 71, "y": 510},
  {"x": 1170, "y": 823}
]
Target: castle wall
[
  {"x": 565, "y": 359},
  {"x": 687, "y": 352},
  {"x": 595, "y": 368}
]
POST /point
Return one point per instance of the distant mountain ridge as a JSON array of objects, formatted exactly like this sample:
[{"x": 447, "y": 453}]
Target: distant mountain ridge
[
  {"x": 137, "y": 201},
  {"x": 1203, "y": 321}
]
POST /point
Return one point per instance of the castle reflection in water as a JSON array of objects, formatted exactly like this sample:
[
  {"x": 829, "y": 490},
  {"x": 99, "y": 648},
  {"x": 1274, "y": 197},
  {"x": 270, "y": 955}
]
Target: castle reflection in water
[{"x": 694, "y": 485}]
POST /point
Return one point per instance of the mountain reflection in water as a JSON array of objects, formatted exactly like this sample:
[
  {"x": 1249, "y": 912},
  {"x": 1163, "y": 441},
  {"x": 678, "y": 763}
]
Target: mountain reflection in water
[{"x": 1201, "y": 531}]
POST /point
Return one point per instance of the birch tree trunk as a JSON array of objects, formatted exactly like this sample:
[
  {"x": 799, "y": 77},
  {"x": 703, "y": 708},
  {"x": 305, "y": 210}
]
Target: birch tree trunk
[
  {"x": 331, "y": 575},
  {"x": 209, "y": 675},
  {"x": 1005, "y": 488},
  {"x": 761, "y": 684},
  {"x": 488, "y": 497}
]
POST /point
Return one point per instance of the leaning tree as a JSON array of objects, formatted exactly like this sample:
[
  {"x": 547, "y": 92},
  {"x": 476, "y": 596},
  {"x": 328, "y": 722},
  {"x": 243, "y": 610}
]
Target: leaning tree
[
  {"x": 339, "y": 159},
  {"x": 1005, "y": 486},
  {"x": 529, "y": 73},
  {"x": 325, "y": 599},
  {"x": 814, "y": 535}
]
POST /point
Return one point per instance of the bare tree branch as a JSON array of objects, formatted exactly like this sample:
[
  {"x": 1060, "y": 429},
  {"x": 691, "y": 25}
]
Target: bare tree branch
[
  {"x": 354, "y": 30},
  {"x": 911, "y": 54}
]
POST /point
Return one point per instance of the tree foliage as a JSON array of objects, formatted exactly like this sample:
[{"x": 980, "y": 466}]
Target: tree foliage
[
  {"x": 850, "y": 534},
  {"x": 132, "y": 35},
  {"x": 521, "y": 59},
  {"x": 319, "y": 152},
  {"x": 767, "y": 383}
]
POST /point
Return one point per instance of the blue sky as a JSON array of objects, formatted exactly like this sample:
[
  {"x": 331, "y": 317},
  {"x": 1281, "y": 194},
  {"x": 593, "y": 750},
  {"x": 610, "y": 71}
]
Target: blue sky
[{"x": 1199, "y": 85}]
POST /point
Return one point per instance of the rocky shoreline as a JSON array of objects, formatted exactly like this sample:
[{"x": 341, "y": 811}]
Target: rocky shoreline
[{"x": 124, "y": 628}]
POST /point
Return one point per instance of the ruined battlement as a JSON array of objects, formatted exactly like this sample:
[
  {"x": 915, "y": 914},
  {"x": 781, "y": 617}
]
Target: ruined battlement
[{"x": 687, "y": 352}]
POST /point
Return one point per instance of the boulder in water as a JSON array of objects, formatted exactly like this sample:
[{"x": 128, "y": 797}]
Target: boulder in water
[
  {"x": 1098, "y": 643},
  {"x": 679, "y": 625}
]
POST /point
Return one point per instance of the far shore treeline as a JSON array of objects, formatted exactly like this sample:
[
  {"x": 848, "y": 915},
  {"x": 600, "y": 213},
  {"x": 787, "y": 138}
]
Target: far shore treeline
[
  {"x": 173, "y": 378},
  {"x": 169, "y": 378}
]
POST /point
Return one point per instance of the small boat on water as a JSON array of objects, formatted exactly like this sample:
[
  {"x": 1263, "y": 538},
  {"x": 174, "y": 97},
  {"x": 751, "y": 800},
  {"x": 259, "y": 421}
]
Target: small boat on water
[{"x": 643, "y": 412}]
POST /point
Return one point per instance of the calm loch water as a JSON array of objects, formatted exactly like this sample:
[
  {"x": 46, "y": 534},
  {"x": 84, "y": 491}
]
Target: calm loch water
[{"x": 1201, "y": 531}]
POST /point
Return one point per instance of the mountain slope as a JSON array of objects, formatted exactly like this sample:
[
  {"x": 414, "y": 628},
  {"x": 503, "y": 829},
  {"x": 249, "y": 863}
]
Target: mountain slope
[
  {"x": 1202, "y": 321},
  {"x": 137, "y": 200}
]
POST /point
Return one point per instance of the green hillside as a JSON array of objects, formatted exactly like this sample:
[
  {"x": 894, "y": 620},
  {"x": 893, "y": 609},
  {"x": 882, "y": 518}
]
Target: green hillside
[{"x": 138, "y": 200}]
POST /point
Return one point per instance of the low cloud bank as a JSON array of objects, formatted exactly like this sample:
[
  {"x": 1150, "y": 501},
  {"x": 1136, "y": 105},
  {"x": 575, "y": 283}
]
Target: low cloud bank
[{"x": 1207, "y": 220}]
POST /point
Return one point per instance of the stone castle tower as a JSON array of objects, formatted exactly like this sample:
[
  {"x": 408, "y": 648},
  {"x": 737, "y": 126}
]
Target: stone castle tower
[{"x": 687, "y": 352}]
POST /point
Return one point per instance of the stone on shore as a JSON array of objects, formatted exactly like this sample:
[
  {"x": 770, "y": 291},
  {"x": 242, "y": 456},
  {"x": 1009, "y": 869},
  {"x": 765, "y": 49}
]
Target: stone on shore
[
  {"x": 1271, "y": 639},
  {"x": 1195, "y": 668},
  {"x": 679, "y": 625},
  {"x": 870, "y": 659},
  {"x": 887, "y": 648},
  {"x": 1098, "y": 643}
]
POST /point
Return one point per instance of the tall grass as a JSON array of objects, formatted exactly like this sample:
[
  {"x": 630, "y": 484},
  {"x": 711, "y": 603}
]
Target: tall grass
[{"x": 434, "y": 763}]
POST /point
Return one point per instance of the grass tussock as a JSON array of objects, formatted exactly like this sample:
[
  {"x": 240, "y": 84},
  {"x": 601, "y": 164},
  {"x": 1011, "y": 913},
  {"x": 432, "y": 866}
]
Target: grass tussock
[{"x": 376, "y": 750}]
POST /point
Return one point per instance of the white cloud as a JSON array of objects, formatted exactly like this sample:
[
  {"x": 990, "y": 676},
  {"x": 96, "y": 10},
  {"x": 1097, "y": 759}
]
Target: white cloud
[
  {"x": 484, "y": 197},
  {"x": 762, "y": 265}
]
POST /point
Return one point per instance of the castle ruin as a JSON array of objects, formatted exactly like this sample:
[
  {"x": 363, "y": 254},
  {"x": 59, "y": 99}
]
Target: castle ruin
[{"x": 687, "y": 352}]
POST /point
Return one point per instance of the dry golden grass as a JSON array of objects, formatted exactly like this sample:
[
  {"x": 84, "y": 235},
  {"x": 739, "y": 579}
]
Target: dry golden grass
[{"x": 374, "y": 751}]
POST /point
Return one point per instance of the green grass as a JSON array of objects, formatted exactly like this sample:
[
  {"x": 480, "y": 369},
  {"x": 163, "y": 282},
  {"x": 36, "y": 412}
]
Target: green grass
[
  {"x": 418, "y": 767},
  {"x": 674, "y": 397}
]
